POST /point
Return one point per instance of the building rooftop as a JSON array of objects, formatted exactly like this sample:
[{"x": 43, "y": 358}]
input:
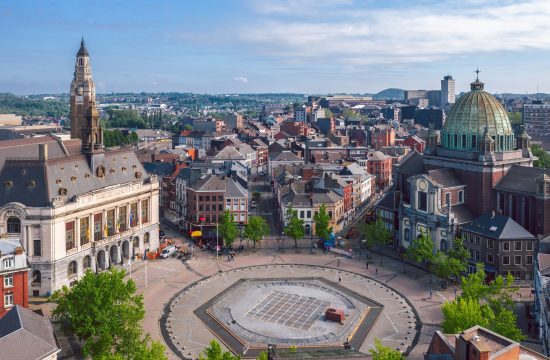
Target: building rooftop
[
  {"x": 498, "y": 227},
  {"x": 25, "y": 335}
]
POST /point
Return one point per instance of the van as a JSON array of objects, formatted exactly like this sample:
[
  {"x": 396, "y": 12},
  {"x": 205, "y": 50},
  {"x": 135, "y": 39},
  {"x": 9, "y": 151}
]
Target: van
[{"x": 167, "y": 251}]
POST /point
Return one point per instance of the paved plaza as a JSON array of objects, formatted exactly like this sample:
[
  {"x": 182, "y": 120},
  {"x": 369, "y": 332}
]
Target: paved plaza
[{"x": 166, "y": 279}]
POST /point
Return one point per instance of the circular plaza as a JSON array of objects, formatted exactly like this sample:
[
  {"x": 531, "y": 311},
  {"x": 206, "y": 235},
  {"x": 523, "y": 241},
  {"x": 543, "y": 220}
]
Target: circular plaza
[{"x": 289, "y": 306}]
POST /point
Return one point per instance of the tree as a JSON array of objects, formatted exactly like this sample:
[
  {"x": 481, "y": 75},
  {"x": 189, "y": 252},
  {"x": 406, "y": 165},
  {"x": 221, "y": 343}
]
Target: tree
[
  {"x": 421, "y": 249},
  {"x": 463, "y": 313},
  {"x": 493, "y": 301},
  {"x": 214, "y": 352},
  {"x": 459, "y": 252},
  {"x": 105, "y": 312},
  {"x": 446, "y": 266},
  {"x": 375, "y": 234},
  {"x": 543, "y": 157},
  {"x": 256, "y": 229},
  {"x": 187, "y": 127},
  {"x": 227, "y": 229},
  {"x": 295, "y": 226},
  {"x": 381, "y": 352},
  {"x": 322, "y": 229}
]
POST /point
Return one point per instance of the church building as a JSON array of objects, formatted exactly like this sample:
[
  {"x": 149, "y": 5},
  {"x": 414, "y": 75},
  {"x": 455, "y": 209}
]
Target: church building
[
  {"x": 478, "y": 166},
  {"x": 74, "y": 205}
]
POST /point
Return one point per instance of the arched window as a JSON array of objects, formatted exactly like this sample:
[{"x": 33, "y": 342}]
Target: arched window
[
  {"x": 461, "y": 196},
  {"x": 443, "y": 245},
  {"x": 14, "y": 225},
  {"x": 71, "y": 271},
  {"x": 146, "y": 238},
  {"x": 36, "y": 278},
  {"x": 407, "y": 235},
  {"x": 87, "y": 262}
]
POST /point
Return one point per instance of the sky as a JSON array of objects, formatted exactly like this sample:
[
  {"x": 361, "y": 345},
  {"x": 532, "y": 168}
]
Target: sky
[{"x": 262, "y": 46}]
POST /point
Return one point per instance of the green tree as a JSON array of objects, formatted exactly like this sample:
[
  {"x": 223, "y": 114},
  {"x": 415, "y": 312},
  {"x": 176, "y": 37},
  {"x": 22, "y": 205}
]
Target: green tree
[
  {"x": 214, "y": 352},
  {"x": 421, "y": 249},
  {"x": 105, "y": 312},
  {"x": 321, "y": 219},
  {"x": 328, "y": 113},
  {"x": 187, "y": 127},
  {"x": 446, "y": 266},
  {"x": 256, "y": 229},
  {"x": 381, "y": 352},
  {"x": 124, "y": 118},
  {"x": 227, "y": 229},
  {"x": 459, "y": 252},
  {"x": 295, "y": 225},
  {"x": 543, "y": 157},
  {"x": 463, "y": 313},
  {"x": 262, "y": 356},
  {"x": 349, "y": 113},
  {"x": 498, "y": 293},
  {"x": 375, "y": 234}
]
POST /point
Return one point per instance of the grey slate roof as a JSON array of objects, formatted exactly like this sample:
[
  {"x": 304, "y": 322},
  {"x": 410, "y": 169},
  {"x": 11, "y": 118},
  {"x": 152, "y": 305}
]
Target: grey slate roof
[
  {"x": 521, "y": 178},
  {"x": 36, "y": 183},
  {"x": 229, "y": 153},
  {"x": 218, "y": 183},
  {"x": 159, "y": 168},
  {"x": 445, "y": 177},
  {"x": 287, "y": 156},
  {"x": 28, "y": 148},
  {"x": 498, "y": 227},
  {"x": 412, "y": 163},
  {"x": 387, "y": 202},
  {"x": 25, "y": 335}
]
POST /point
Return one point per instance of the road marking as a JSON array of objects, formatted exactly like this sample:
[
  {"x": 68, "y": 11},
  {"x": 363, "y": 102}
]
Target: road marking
[{"x": 441, "y": 296}]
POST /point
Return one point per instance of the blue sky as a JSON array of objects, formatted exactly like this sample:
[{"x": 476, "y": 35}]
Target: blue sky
[{"x": 309, "y": 46}]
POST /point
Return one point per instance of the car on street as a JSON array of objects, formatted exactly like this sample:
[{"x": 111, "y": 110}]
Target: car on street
[{"x": 167, "y": 251}]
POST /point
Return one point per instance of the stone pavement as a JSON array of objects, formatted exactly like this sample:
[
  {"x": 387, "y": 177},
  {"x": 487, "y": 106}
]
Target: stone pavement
[{"x": 166, "y": 277}]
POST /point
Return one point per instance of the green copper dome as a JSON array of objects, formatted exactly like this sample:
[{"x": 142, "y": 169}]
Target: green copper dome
[{"x": 473, "y": 114}]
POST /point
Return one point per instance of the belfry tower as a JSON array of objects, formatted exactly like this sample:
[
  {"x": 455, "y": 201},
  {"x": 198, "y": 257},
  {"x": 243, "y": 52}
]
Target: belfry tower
[{"x": 82, "y": 91}]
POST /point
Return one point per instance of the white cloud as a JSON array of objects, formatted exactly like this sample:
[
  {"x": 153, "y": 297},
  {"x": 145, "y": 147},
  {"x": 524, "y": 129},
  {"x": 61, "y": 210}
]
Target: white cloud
[
  {"x": 242, "y": 79},
  {"x": 426, "y": 33}
]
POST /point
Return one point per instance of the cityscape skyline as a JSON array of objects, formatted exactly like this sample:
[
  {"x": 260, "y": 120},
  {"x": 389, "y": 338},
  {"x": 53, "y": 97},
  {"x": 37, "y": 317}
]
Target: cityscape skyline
[{"x": 298, "y": 46}]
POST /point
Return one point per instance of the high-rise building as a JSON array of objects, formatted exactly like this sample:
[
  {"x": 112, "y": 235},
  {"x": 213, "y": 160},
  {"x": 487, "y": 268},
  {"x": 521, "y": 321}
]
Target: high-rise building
[
  {"x": 82, "y": 91},
  {"x": 447, "y": 90},
  {"x": 536, "y": 118}
]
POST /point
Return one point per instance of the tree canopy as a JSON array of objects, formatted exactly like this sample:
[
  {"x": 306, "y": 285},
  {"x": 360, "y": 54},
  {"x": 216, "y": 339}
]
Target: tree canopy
[
  {"x": 381, "y": 352},
  {"x": 543, "y": 157},
  {"x": 375, "y": 233},
  {"x": 117, "y": 137},
  {"x": 295, "y": 225},
  {"x": 227, "y": 229},
  {"x": 214, "y": 352},
  {"x": 322, "y": 228},
  {"x": 124, "y": 118},
  {"x": 421, "y": 249},
  {"x": 105, "y": 312},
  {"x": 256, "y": 229},
  {"x": 488, "y": 305}
]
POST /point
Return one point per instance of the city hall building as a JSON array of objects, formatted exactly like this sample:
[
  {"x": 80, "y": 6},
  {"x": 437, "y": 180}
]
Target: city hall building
[{"x": 74, "y": 205}]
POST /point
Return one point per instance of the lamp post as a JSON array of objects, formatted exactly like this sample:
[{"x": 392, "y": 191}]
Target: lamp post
[{"x": 283, "y": 238}]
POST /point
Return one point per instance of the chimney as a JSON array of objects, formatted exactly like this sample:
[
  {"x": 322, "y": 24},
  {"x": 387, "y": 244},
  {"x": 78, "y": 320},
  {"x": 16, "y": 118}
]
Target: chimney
[{"x": 43, "y": 152}]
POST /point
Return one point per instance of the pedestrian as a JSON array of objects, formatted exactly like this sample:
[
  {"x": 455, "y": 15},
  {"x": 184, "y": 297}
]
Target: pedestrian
[
  {"x": 455, "y": 291},
  {"x": 367, "y": 264},
  {"x": 339, "y": 279},
  {"x": 376, "y": 271},
  {"x": 430, "y": 294}
]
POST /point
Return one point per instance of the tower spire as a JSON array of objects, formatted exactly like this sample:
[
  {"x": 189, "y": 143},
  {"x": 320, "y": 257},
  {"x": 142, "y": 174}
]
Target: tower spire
[{"x": 477, "y": 73}]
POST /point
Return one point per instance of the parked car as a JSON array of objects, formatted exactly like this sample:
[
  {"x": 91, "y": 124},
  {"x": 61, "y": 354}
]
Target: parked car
[{"x": 167, "y": 251}]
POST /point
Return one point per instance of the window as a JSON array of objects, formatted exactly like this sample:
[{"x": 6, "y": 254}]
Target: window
[
  {"x": 517, "y": 260},
  {"x": 146, "y": 238},
  {"x": 301, "y": 214},
  {"x": 207, "y": 198},
  {"x": 490, "y": 244},
  {"x": 84, "y": 230},
  {"x": 110, "y": 226},
  {"x": 448, "y": 199},
  {"x": 477, "y": 255},
  {"x": 69, "y": 235},
  {"x": 201, "y": 198},
  {"x": 14, "y": 225},
  {"x": 86, "y": 262},
  {"x": 8, "y": 300},
  {"x": 506, "y": 246},
  {"x": 517, "y": 245},
  {"x": 145, "y": 211},
  {"x": 308, "y": 214},
  {"x": 464, "y": 141},
  {"x": 36, "y": 247},
  {"x": 490, "y": 258},
  {"x": 36, "y": 278},
  {"x": 474, "y": 141},
  {"x": 407, "y": 235},
  {"x": 8, "y": 263},
  {"x": 529, "y": 246},
  {"x": 71, "y": 271},
  {"x": 122, "y": 218},
  {"x": 529, "y": 260},
  {"x": 133, "y": 214},
  {"x": 220, "y": 207},
  {"x": 8, "y": 280},
  {"x": 243, "y": 204},
  {"x": 220, "y": 198},
  {"x": 330, "y": 214},
  {"x": 98, "y": 227},
  {"x": 478, "y": 240},
  {"x": 243, "y": 217},
  {"x": 461, "y": 196},
  {"x": 422, "y": 201},
  {"x": 506, "y": 260}
]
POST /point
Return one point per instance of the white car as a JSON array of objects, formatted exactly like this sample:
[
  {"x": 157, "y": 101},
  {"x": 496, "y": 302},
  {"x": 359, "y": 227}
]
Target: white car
[{"x": 167, "y": 251}]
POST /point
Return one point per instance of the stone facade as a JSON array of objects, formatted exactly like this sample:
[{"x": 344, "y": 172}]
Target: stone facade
[{"x": 82, "y": 91}]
